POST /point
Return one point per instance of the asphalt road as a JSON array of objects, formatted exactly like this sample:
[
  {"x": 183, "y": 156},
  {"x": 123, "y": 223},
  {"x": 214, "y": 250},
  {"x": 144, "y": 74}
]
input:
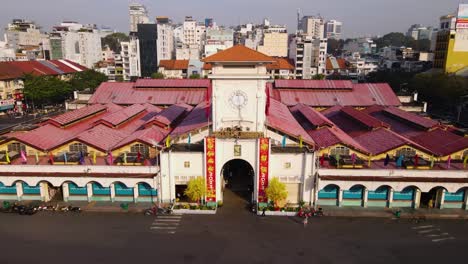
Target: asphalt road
[{"x": 232, "y": 236}]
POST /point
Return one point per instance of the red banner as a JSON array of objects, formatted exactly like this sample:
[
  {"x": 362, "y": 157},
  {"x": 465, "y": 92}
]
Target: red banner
[
  {"x": 210, "y": 152},
  {"x": 264, "y": 157}
]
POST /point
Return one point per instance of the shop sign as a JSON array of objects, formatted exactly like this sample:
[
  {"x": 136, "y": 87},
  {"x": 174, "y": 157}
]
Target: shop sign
[
  {"x": 210, "y": 159},
  {"x": 264, "y": 157}
]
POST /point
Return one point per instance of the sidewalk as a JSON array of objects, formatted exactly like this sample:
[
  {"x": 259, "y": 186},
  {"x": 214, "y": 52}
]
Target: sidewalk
[{"x": 389, "y": 212}]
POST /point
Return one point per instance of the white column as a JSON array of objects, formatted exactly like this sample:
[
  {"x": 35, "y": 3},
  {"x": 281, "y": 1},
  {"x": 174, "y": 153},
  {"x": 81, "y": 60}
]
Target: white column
[
  {"x": 390, "y": 197},
  {"x": 65, "y": 192},
  {"x": 340, "y": 197},
  {"x": 112, "y": 192},
  {"x": 365, "y": 197},
  {"x": 441, "y": 198},
  {"x": 44, "y": 189},
  {"x": 135, "y": 194},
  {"x": 89, "y": 190},
  {"x": 19, "y": 190},
  {"x": 465, "y": 200},
  {"x": 417, "y": 198}
]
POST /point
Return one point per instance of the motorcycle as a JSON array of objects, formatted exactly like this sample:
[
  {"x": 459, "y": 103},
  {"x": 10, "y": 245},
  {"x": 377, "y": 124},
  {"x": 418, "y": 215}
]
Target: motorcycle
[{"x": 158, "y": 210}]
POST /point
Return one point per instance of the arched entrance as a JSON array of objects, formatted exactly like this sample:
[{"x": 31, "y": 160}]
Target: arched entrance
[{"x": 238, "y": 176}]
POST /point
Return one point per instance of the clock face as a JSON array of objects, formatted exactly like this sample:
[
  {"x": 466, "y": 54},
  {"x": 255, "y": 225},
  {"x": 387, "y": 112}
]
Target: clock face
[{"x": 238, "y": 99}]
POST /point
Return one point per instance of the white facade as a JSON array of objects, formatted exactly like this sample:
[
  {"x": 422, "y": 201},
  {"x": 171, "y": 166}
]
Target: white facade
[
  {"x": 313, "y": 26},
  {"x": 23, "y": 33},
  {"x": 138, "y": 15},
  {"x": 130, "y": 59},
  {"x": 333, "y": 29},
  {"x": 217, "y": 40},
  {"x": 6, "y": 52},
  {"x": 165, "y": 42},
  {"x": 310, "y": 56}
]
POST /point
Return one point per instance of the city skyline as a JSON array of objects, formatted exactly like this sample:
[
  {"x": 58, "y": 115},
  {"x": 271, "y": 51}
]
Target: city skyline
[{"x": 285, "y": 14}]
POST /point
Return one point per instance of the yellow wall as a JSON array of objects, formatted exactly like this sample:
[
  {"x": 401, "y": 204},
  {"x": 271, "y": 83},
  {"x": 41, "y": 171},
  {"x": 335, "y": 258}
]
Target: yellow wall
[
  {"x": 455, "y": 60},
  {"x": 29, "y": 150},
  {"x": 381, "y": 156},
  {"x": 66, "y": 148},
  {"x": 455, "y": 156},
  {"x": 327, "y": 151}
]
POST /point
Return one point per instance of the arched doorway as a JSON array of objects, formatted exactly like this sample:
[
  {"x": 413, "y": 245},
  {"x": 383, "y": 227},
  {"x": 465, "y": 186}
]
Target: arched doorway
[
  {"x": 433, "y": 198},
  {"x": 238, "y": 176}
]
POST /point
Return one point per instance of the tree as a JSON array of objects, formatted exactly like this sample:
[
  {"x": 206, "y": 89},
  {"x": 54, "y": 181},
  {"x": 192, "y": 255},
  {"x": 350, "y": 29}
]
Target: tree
[
  {"x": 45, "y": 90},
  {"x": 113, "y": 41},
  {"x": 335, "y": 47},
  {"x": 194, "y": 76},
  {"x": 157, "y": 75},
  {"x": 394, "y": 39},
  {"x": 196, "y": 189},
  {"x": 276, "y": 191},
  {"x": 396, "y": 80},
  {"x": 318, "y": 77},
  {"x": 87, "y": 79}
]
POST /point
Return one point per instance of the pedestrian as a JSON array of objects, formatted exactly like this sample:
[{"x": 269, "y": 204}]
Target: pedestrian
[
  {"x": 263, "y": 211},
  {"x": 431, "y": 203},
  {"x": 306, "y": 220}
]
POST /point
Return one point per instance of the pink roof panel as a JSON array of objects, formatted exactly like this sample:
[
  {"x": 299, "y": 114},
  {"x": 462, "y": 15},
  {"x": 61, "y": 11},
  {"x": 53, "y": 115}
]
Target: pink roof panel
[
  {"x": 363, "y": 118},
  {"x": 123, "y": 115},
  {"x": 441, "y": 142},
  {"x": 312, "y": 115},
  {"x": 281, "y": 119},
  {"x": 76, "y": 115},
  {"x": 412, "y": 118},
  {"x": 314, "y": 84},
  {"x": 196, "y": 119},
  {"x": 172, "y": 83}
]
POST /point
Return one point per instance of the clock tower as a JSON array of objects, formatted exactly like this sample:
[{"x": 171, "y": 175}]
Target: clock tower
[{"x": 238, "y": 97}]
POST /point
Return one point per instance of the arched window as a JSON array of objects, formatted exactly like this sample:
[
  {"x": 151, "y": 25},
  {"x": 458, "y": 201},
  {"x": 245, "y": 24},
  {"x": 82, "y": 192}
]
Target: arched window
[
  {"x": 18, "y": 147},
  {"x": 143, "y": 149},
  {"x": 78, "y": 147},
  {"x": 406, "y": 152},
  {"x": 343, "y": 151}
]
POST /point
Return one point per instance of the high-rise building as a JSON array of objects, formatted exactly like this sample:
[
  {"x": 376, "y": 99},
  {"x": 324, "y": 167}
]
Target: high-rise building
[
  {"x": 274, "y": 42},
  {"x": 138, "y": 15},
  {"x": 147, "y": 35},
  {"x": 333, "y": 29},
  {"x": 309, "y": 55},
  {"x": 313, "y": 26},
  {"x": 451, "y": 51},
  {"x": 217, "y": 40},
  {"x": 418, "y": 31},
  {"x": 20, "y": 33},
  {"x": 130, "y": 54},
  {"x": 165, "y": 41},
  {"x": 79, "y": 43}
]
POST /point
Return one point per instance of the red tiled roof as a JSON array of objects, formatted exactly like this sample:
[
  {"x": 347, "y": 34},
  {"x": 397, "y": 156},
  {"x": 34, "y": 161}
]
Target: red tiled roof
[
  {"x": 363, "y": 118},
  {"x": 441, "y": 142},
  {"x": 314, "y": 84},
  {"x": 280, "y": 64},
  {"x": 101, "y": 137},
  {"x": 381, "y": 140},
  {"x": 174, "y": 64},
  {"x": 125, "y": 94},
  {"x": 76, "y": 115},
  {"x": 412, "y": 118},
  {"x": 340, "y": 61},
  {"x": 151, "y": 136},
  {"x": 312, "y": 115},
  {"x": 281, "y": 119},
  {"x": 17, "y": 69},
  {"x": 239, "y": 53},
  {"x": 169, "y": 115},
  {"x": 329, "y": 136},
  {"x": 207, "y": 66},
  {"x": 359, "y": 96},
  {"x": 123, "y": 115},
  {"x": 196, "y": 119},
  {"x": 172, "y": 83}
]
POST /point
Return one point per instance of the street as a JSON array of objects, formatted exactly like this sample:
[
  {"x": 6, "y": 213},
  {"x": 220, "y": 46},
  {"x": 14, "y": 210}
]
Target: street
[{"x": 227, "y": 237}]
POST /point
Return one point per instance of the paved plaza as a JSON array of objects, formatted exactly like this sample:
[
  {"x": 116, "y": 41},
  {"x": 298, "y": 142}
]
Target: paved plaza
[{"x": 234, "y": 235}]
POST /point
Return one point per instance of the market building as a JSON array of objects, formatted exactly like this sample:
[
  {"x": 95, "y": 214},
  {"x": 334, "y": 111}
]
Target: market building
[{"x": 332, "y": 143}]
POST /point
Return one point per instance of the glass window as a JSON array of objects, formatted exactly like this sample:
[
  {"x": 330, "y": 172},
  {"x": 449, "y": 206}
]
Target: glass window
[
  {"x": 406, "y": 152},
  {"x": 78, "y": 147},
  {"x": 18, "y": 147},
  {"x": 143, "y": 149},
  {"x": 342, "y": 151}
]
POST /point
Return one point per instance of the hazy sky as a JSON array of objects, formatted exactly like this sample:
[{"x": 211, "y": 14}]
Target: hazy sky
[{"x": 360, "y": 17}]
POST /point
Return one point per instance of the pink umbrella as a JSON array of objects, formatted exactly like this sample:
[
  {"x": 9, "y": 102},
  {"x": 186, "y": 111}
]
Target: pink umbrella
[
  {"x": 449, "y": 160},
  {"x": 23, "y": 156}
]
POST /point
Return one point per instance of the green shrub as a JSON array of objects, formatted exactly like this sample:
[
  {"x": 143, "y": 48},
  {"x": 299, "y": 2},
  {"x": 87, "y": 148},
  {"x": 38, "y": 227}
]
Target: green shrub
[{"x": 220, "y": 203}]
